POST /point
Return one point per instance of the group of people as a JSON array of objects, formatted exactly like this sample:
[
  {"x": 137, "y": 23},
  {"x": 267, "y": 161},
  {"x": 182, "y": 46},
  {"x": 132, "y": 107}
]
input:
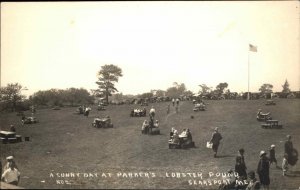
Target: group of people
[
  {"x": 138, "y": 112},
  {"x": 184, "y": 137},
  {"x": 148, "y": 126},
  {"x": 11, "y": 174},
  {"x": 265, "y": 163},
  {"x": 85, "y": 110}
]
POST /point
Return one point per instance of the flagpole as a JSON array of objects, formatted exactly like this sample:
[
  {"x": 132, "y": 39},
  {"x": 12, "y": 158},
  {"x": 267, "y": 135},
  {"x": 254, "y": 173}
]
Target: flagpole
[{"x": 248, "y": 77}]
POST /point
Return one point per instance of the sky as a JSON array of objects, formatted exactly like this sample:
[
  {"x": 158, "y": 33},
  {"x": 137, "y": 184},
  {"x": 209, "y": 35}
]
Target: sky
[{"x": 60, "y": 45}]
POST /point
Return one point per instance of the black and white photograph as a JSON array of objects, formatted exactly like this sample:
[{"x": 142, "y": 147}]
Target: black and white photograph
[{"x": 150, "y": 95}]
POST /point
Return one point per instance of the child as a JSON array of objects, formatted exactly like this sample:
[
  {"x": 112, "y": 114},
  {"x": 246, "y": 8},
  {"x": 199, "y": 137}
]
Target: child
[
  {"x": 284, "y": 164},
  {"x": 272, "y": 155}
]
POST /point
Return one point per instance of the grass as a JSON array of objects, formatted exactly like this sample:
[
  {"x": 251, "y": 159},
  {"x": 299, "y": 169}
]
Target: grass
[{"x": 64, "y": 142}]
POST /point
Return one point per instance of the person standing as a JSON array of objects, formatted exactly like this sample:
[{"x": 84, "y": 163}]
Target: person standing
[
  {"x": 272, "y": 155},
  {"x": 173, "y": 102},
  {"x": 215, "y": 141},
  {"x": 288, "y": 148},
  {"x": 284, "y": 165},
  {"x": 176, "y": 108},
  {"x": 152, "y": 112},
  {"x": 168, "y": 109},
  {"x": 263, "y": 170},
  {"x": 11, "y": 175},
  {"x": 240, "y": 166},
  {"x": 177, "y": 101}
]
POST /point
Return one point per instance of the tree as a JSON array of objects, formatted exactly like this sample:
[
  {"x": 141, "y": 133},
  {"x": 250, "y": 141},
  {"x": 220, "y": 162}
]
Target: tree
[
  {"x": 176, "y": 90},
  {"x": 221, "y": 87},
  {"x": 266, "y": 89},
  {"x": 107, "y": 77},
  {"x": 11, "y": 95},
  {"x": 160, "y": 93},
  {"x": 286, "y": 87},
  {"x": 204, "y": 89}
]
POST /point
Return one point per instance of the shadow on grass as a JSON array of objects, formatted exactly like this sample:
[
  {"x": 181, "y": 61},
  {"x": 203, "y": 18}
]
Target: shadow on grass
[
  {"x": 225, "y": 156},
  {"x": 293, "y": 174}
]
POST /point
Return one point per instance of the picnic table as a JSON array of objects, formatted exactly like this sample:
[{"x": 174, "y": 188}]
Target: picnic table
[{"x": 271, "y": 124}]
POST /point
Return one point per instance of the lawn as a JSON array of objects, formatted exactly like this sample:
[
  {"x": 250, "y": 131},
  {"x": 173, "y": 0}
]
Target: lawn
[{"x": 64, "y": 143}]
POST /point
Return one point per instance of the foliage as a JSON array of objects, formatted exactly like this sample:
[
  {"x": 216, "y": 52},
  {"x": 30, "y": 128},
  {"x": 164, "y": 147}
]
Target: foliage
[
  {"x": 59, "y": 97},
  {"x": 146, "y": 95},
  {"x": 266, "y": 88},
  {"x": 204, "y": 89},
  {"x": 11, "y": 95},
  {"x": 286, "y": 87},
  {"x": 176, "y": 91},
  {"x": 221, "y": 87},
  {"x": 107, "y": 77}
]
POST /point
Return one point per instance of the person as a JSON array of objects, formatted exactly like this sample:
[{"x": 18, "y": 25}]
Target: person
[
  {"x": 145, "y": 127},
  {"x": 263, "y": 170},
  {"x": 284, "y": 164},
  {"x": 176, "y": 139},
  {"x": 9, "y": 159},
  {"x": 272, "y": 155},
  {"x": 288, "y": 148},
  {"x": 87, "y": 111},
  {"x": 215, "y": 140},
  {"x": 189, "y": 136},
  {"x": 156, "y": 124},
  {"x": 11, "y": 175},
  {"x": 151, "y": 125},
  {"x": 177, "y": 102},
  {"x": 259, "y": 112},
  {"x": 12, "y": 128},
  {"x": 240, "y": 166},
  {"x": 172, "y": 132},
  {"x": 144, "y": 111},
  {"x": 253, "y": 183},
  {"x": 152, "y": 112},
  {"x": 173, "y": 102},
  {"x": 23, "y": 118},
  {"x": 168, "y": 109}
]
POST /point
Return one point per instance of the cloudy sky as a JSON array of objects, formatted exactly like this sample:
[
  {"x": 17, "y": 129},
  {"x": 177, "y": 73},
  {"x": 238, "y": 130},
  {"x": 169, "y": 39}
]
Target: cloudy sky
[{"x": 62, "y": 45}]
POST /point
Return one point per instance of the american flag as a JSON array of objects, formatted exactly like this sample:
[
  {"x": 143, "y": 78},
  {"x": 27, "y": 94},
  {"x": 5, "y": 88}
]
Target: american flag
[{"x": 252, "y": 48}]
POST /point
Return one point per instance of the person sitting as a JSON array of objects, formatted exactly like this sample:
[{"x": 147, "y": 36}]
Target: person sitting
[
  {"x": 172, "y": 132},
  {"x": 183, "y": 134},
  {"x": 9, "y": 159},
  {"x": 189, "y": 135},
  {"x": 260, "y": 113},
  {"x": 253, "y": 182},
  {"x": 11, "y": 175},
  {"x": 12, "y": 128},
  {"x": 156, "y": 124},
  {"x": 175, "y": 138},
  {"x": 132, "y": 113},
  {"x": 145, "y": 127}
]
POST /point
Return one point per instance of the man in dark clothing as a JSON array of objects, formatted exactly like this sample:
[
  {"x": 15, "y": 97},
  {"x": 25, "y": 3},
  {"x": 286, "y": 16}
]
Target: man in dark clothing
[
  {"x": 215, "y": 140},
  {"x": 288, "y": 148},
  {"x": 272, "y": 155},
  {"x": 240, "y": 166},
  {"x": 263, "y": 170}
]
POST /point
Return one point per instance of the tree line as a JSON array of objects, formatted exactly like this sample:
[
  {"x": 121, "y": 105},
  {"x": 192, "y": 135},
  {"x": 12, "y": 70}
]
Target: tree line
[{"x": 11, "y": 97}]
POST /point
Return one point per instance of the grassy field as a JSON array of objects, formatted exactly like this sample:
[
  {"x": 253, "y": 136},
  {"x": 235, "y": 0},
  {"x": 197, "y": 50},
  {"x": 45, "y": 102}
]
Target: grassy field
[{"x": 64, "y": 142}]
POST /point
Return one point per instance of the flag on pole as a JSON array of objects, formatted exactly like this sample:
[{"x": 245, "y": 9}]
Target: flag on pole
[{"x": 252, "y": 48}]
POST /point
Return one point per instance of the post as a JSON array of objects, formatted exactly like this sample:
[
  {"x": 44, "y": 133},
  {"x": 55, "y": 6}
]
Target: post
[{"x": 248, "y": 97}]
